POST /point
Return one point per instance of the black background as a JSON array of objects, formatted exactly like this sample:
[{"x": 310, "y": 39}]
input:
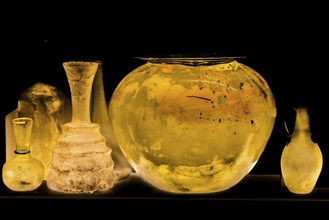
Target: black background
[{"x": 287, "y": 45}]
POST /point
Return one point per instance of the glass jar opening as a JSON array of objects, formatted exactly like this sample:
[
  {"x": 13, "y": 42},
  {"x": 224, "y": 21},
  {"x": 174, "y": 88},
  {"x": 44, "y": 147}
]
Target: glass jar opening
[{"x": 190, "y": 60}]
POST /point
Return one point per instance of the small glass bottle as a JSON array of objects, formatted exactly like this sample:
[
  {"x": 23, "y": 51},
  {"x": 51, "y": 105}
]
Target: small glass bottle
[
  {"x": 22, "y": 172},
  {"x": 301, "y": 159}
]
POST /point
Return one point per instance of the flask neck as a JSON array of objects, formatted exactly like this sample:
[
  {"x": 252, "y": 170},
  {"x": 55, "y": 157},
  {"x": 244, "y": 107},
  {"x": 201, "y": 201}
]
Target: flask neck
[
  {"x": 22, "y": 132},
  {"x": 302, "y": 119},
  {"x": 302, "y": 124}
]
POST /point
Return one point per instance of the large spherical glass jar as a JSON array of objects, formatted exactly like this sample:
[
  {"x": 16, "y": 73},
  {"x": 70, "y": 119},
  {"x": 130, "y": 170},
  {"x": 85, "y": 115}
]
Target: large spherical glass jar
[{"x": 192, "y": 124}]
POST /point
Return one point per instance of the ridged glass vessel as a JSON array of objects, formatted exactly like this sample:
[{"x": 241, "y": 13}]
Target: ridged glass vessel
[
  {"x": 81, "y": 160},
  {"x": 192, "y": 124}
]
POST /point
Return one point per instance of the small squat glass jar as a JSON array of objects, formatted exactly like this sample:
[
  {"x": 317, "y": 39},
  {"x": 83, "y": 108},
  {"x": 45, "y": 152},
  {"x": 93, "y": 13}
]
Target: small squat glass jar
[{"x": 192, "y": 124}]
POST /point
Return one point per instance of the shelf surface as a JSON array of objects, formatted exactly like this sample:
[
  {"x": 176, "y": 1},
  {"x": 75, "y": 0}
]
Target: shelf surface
[
  {"x": 253, "y": 188},
  {"x": 257, "y": 196}
]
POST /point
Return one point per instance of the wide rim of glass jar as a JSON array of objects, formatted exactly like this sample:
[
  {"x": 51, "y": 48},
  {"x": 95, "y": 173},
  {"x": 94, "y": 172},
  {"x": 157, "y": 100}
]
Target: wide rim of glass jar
[{"x": 190, "y": 60}]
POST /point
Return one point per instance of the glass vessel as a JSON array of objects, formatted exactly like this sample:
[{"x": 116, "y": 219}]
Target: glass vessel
[
  {"x": 100, "y": 115},
  {"x": 81, "y": 161},
  {"x": 22, "y": 172},
  {"x": 192, "y": 124},
  {"x": 301, "y": 159}
]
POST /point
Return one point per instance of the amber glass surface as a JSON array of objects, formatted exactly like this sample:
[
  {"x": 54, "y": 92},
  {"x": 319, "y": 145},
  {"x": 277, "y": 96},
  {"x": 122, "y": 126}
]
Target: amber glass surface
[{"x": 193, "y": 124}]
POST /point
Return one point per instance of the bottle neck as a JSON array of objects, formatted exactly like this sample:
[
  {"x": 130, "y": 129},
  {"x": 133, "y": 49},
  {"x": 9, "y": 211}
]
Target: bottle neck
[
  {"x": 302, "y": 120},
  {"x": 22, "y": 132},
  {"x": 302, "y": 125}
]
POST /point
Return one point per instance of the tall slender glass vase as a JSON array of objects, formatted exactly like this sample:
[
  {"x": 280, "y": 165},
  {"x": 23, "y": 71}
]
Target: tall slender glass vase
[{"x": 82, "y": 161}]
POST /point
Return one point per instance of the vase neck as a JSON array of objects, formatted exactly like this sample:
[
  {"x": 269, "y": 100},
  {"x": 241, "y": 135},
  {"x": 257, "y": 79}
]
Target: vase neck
[
  {"x": 80, "y": 76},
  {"x": 302, "y": 120},
  {"x": 22, "y": 132}
]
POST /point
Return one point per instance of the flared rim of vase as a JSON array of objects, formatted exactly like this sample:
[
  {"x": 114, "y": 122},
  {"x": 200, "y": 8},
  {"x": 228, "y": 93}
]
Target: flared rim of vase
[{"x": 189, "y": 59}]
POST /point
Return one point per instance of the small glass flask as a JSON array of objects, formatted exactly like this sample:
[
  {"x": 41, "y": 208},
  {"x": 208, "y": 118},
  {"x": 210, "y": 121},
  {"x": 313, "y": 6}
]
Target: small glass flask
[
  {"x": 301, "y": 159},
  {"x": 22, "y": 172}
]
